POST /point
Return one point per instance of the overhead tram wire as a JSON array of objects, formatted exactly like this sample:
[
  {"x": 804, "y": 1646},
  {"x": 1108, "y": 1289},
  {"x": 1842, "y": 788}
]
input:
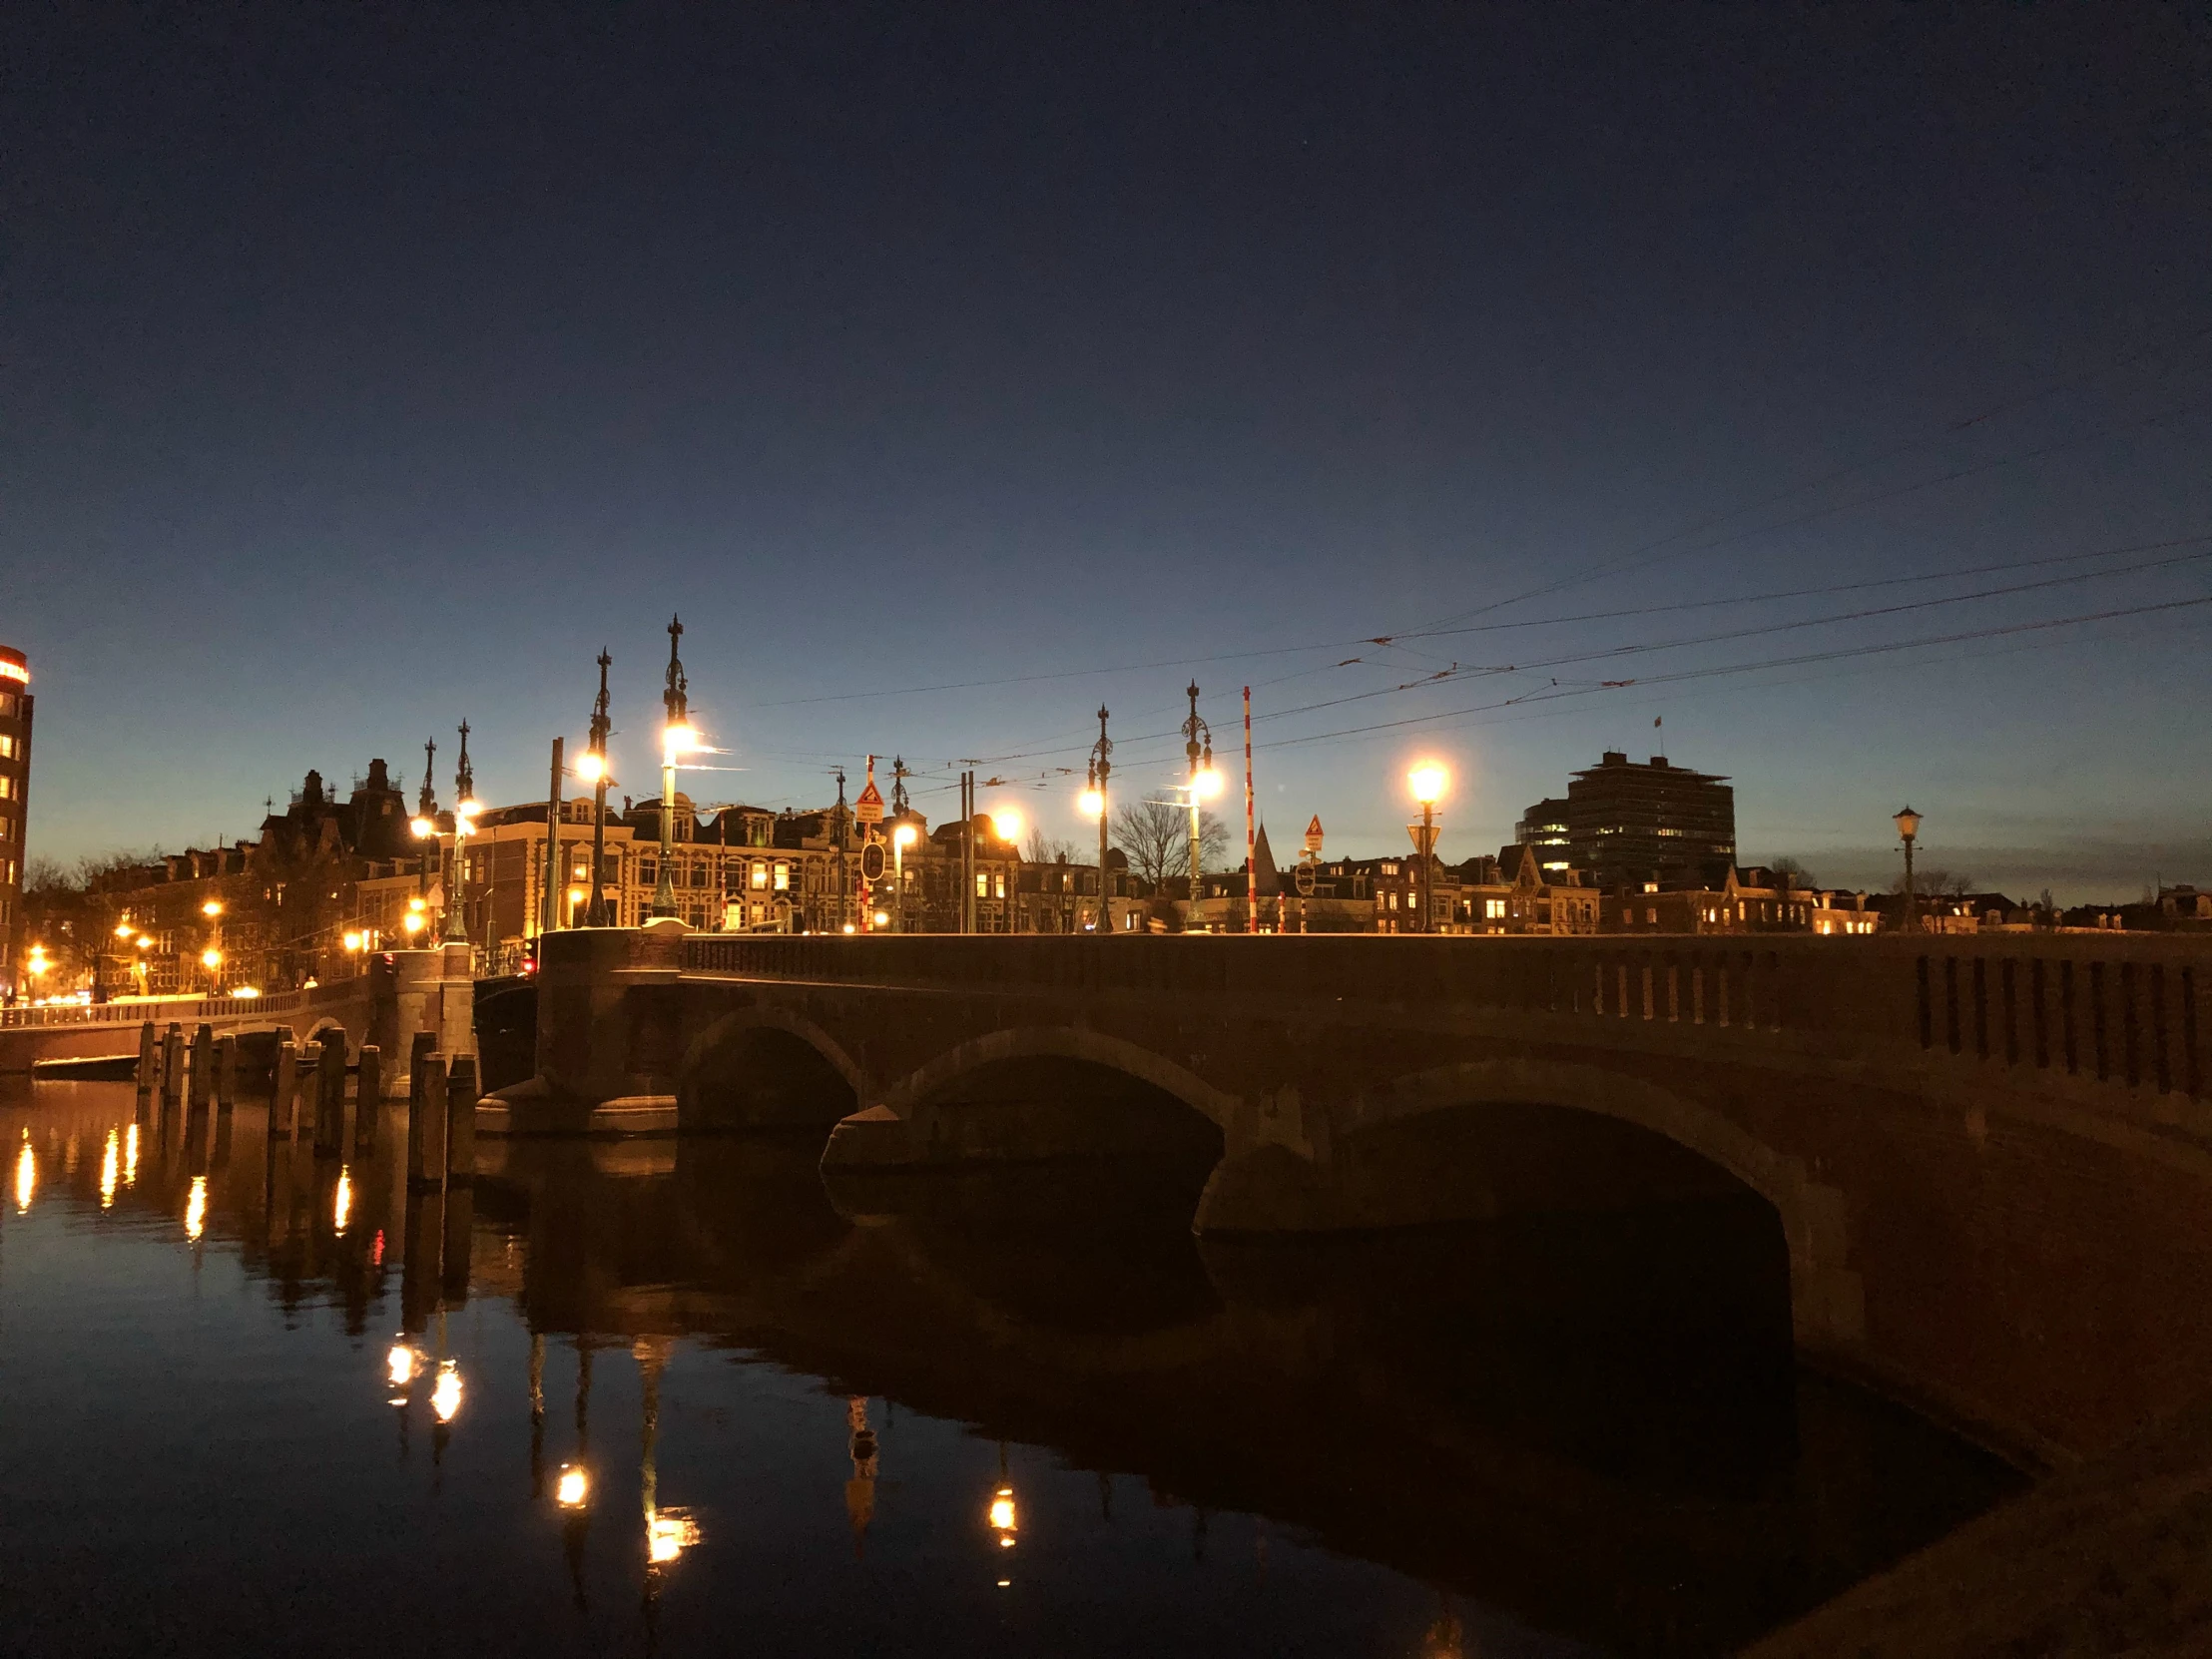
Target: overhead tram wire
[
  {"x": 1609, "y": 566},
  {"x": 1717, "y": 670},
  {"x": 1033, "y": 751}
]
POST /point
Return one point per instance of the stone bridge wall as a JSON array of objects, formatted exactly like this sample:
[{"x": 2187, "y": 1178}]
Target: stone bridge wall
[
  {"x": 1991, "y": 1158},
  {"x": 401, "y": 992}
]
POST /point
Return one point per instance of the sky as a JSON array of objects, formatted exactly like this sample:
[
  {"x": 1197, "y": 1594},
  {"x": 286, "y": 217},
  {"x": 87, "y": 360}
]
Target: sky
[{"x": 955, "y": 371}]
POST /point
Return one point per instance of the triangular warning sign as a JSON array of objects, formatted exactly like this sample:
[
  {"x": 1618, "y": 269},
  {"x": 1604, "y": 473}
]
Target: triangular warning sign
[
  {"x": 868, "y": 808},
  {"x": 1313, "y": 834}
]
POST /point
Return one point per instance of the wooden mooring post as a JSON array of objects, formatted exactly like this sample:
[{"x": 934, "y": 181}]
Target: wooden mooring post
[{"x": 329, "y": 1094}]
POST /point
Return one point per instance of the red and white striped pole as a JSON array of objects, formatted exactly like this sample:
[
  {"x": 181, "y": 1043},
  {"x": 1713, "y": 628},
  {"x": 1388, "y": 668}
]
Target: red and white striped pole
[{"x": 1252, "y": 869}]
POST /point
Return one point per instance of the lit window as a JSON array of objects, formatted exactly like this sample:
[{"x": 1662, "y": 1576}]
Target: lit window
[
  {"x": 1002, "y": 887},
  {"x": 783, "y": 877},
  {"x": 982, "y": 885},
  {"x": 759, "y": 875}
]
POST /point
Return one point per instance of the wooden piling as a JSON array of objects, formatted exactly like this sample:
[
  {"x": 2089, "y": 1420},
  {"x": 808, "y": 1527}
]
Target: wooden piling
[
  {"x": 149, "y": 1060},
  {"x": 329, "y": 1094},
  {"x": 460, "y": 1121},
  {"x": 284, "y": 1096},
  {"x": 368, "y": 1094},
  {"x": 202, "y": 1066},
  {"x": 172, "y": 1064},
  {"x": 225, "y": 1071},
  {"x": 426, "y": 1126}
]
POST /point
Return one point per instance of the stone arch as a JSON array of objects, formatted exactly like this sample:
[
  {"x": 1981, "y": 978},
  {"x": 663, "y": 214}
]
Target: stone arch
[
  {"x": 1278, "y": 1188},
  {"x": 733, "y": 1029},
  {"x": 1060, "y": 1042}
]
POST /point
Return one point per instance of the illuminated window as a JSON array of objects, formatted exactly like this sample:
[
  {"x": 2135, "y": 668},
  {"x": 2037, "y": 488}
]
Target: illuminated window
[
  {"x": 7, "y": 747},
  {"x": 1001, "y": 885},
  {"x": 759, "y": 875},
  {"x": 1493, "y": 907},
  {"x": 1651, "y": 919},
  {"x": 982, "y": 885},
  {"x": 783, "y": 877},
  {"x": 7, "y": 786}
]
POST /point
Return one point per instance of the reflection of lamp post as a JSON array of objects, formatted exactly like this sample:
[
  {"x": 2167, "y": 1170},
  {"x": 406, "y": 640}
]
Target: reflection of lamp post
[
  {"x": 1428, "y": 781},
  {"x": 1908, "y": 826}
]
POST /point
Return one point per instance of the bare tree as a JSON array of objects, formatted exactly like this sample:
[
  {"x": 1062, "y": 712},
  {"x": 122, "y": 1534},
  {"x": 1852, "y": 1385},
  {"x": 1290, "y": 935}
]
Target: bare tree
[
  {"x": 1792, "y": 871},
  {"x": 1155, "y": 837},
  {"x": 1935, "y": 882},
  {"x": 1041, "y": 848}
]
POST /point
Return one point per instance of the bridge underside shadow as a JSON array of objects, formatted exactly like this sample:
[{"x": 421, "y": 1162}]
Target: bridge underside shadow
[{"x": 763, "y": 1079}]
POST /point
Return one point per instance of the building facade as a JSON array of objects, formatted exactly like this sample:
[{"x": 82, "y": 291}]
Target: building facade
[
  {"x": 1629, "y": 823},
  {"x": 15, "y": 801}
]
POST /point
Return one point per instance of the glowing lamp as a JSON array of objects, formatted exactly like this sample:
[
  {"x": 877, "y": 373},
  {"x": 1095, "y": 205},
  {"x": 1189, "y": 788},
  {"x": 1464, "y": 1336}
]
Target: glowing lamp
[
  {"x": 680, "y": 739},
  {"x": 1206, "y": 783},
  {"x": 903, "y": 836},
  {"x": 417, "y": 906},
  {"x": 352, "y": 942},
  {"x": 668, "y": 1533},
  {"x": 210, "y": 957},
  {"x": 1092, "y": 801},
  {"x": 1907, "y": 822},
  {"x": 849, "y": 928},
  {"x": 463, "y": 810},
  {"x": 572, "y": 1486},
  {"x": 122, "y": 929},
  {"x": 142, "y": 943},
  {"x": 37, "y": 961},
  {"x": 423, "y": 829},
  {"x": 213, "y": 907},
  {"x": 1428, "y": 782},
  {"x": 1006, "y": 824},
  {"x": 591, "y": 766},
  {"x": 882, "y": 918}
]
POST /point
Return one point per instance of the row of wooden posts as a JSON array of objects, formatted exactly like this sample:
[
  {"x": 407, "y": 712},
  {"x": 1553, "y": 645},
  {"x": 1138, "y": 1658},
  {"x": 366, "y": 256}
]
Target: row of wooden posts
[{"x": 441, "y": 1093}]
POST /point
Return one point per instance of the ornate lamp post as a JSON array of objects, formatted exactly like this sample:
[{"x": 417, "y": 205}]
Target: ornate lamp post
[
  {"x": 676, "y": 737},
  {"x": 457, "y": 878},
  {"x": 593, "y": 768},
  {"x": 1095, "y": 800},
  {"x": 903, "y": 838},
  {"x": 1204, "y": 779},
  {"x": 1908, "y": 828},
  {"x": 1428, "y": 781}
]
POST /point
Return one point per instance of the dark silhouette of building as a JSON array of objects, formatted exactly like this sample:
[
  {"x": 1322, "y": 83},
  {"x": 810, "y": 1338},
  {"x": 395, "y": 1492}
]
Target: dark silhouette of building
[
  {"x": 1544, "y": 827},
  {"x": 15, "y": 801},
  {"x": 1628, "y": 823}
]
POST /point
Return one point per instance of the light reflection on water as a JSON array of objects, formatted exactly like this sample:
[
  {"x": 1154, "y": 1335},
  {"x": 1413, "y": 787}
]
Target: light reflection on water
[{"x": 641, "y": 1396}]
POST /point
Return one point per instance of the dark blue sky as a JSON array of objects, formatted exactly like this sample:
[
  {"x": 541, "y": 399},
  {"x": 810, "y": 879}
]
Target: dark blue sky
[{"x": 366, "y": 368}]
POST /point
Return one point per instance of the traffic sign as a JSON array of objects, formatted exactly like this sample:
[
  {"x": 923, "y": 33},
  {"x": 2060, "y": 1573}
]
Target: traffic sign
[{"x": 1313, "y": 834}]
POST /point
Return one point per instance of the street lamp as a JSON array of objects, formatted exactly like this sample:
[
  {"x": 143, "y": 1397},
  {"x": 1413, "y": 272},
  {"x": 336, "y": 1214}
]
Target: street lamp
[
  {"x": 1429, "y": 781},
  {"x": 593, "y": 770},
  {"x": 903, "y": 836},
  {"x": 1908, "y": 828},
  {"x": 1094, "y": 800},
  {"x": 1007, "y": 824},
  {"x": 675, "y": 740},
  {"x": 1205, "y": 782}
]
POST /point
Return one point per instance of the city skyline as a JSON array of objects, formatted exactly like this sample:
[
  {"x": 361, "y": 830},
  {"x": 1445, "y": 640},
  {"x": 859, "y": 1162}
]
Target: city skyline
[{"x": 949, "y": 351}]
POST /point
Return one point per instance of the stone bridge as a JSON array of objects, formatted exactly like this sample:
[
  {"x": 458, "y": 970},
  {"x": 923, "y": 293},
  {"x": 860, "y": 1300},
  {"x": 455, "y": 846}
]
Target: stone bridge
[
  {"x": 1989, "y": 1160},
  {"x": 397, "y": 993}
]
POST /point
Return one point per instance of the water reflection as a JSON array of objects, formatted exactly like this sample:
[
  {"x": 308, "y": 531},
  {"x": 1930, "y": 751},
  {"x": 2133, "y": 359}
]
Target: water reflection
[{"x": 1590, "y": 1428}]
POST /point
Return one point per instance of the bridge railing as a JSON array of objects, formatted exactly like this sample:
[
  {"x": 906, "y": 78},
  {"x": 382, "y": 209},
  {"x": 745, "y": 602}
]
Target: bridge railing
[
  {"x": 2125, "y": 1010},
  {"x": 184, "y": 1010}
]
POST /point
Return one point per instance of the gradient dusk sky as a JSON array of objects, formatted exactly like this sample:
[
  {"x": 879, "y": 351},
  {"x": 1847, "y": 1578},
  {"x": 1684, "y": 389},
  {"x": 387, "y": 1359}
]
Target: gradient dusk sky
[{"x": 364, "y": 369}]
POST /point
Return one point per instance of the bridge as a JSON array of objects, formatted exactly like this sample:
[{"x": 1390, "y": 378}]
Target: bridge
[
  {"x": 397, "y": 994},
  {"x": 1987, "y": 1160}
]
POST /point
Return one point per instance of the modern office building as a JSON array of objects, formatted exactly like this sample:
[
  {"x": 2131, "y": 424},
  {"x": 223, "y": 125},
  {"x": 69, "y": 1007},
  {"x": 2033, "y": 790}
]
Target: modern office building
[
  {"x": 15, "y": 801},
  {"x": 1628, "y": 823},
  {"x": 1544, "y": 826}
]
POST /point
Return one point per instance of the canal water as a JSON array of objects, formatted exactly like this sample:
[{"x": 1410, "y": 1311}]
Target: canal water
[{"x": 671, "y": 1397}]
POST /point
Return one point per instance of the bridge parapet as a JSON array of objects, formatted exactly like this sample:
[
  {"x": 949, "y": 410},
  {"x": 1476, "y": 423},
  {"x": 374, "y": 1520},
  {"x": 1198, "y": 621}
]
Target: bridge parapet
[{"x": 2092, "y": 1016}]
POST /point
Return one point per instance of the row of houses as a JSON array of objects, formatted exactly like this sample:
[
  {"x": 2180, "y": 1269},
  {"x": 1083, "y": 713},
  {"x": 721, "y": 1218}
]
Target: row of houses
[{"x": 330, "y": 879}]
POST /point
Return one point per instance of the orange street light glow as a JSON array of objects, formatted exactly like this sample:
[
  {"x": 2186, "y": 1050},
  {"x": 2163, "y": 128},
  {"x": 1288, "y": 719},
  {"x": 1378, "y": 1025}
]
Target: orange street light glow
[{"x": 1429, "y": 781}]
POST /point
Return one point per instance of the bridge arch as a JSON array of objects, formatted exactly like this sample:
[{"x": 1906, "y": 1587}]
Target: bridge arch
[
  {"x": 1328, "y": 1183},
  {"x": 1024, "y": 1042},
  {"x": 765, "y": 1067}
]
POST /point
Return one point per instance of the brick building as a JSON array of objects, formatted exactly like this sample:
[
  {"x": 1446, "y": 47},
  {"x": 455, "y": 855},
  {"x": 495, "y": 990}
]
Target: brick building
[{"x": 16, "y": 705}]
